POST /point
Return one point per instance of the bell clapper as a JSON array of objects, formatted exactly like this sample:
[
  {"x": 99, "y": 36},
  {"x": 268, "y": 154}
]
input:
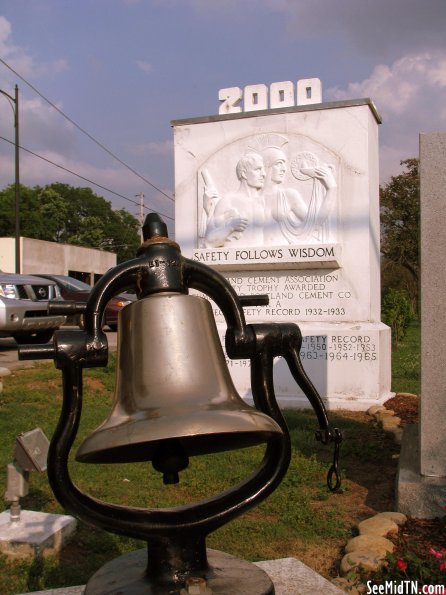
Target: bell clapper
[{"x": 169, "y": 459}]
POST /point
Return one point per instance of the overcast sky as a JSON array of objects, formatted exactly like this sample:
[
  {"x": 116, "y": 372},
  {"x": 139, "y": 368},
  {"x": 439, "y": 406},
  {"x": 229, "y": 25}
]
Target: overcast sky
[{"x": 121, "y": 70}]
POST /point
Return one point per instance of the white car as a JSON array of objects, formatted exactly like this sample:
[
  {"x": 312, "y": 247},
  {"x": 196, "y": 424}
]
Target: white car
[{"x": 24, "y": 308}]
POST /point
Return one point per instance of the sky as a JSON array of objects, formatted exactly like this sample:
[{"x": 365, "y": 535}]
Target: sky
[{"x": 101, "y": 80}]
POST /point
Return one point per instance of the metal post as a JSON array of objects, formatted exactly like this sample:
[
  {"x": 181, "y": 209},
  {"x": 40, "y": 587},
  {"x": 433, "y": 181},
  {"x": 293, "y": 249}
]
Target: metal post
[
  {"x": 14, "y": 102},
  {"x": 17, "y": 184},
  {"x": 141, "y": 212}
]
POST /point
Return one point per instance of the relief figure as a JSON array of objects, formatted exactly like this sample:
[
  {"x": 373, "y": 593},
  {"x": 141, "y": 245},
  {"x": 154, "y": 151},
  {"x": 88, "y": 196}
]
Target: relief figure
[
  {"x": 265, "y": 210},
  {"x": 288, "y": 218},
  {"x": 239, "y": 216}
]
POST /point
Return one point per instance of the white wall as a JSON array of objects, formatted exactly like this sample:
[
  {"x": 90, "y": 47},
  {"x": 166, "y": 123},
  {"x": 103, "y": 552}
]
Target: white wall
[{"x": 39, "y": 256}]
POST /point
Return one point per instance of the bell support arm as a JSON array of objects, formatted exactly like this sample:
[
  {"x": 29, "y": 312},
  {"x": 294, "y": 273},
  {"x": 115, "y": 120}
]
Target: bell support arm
[
  {"x": 326, "y": 433},
  {"x": 261, "y": 343},
  {"x": 285, "y": 340},
  {"x": 212, "y": 284}
]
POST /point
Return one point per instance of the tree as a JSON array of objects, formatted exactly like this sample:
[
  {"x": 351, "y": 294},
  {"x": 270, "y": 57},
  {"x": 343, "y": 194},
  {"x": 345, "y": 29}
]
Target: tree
[
  {"x": 54, "y": 210},
  {"x": 124, "y": 240},
  {"x": 400, "y": 219},
  {"x": 61, "y": 213},
  {"x": 32, "y": 225}
]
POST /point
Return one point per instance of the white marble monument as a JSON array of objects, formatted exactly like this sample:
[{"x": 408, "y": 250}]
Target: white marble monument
[{"x": 284, "y": 202}]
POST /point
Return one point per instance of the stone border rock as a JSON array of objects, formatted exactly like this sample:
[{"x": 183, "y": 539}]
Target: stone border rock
[
  {"x": 388, "y": 420},
  {"x": 368, "y": 550}
]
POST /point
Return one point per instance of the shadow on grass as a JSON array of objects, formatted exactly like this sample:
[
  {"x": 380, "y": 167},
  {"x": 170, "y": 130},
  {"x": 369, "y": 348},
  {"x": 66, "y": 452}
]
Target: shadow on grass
[
  {"x": 75, "y": 564},
  {"x": 79, "y": 559},
  {"x": 368, "y": 455}
]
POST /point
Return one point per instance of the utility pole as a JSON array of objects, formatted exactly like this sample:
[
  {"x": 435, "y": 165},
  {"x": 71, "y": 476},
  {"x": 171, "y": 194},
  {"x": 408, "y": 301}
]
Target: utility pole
[
  {"x": 14, "y": 103},
  {"x": 141, "y": 213}
]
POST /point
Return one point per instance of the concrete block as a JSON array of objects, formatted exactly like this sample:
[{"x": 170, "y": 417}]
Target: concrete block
[
  {"x": 417, "y": 495},
  {"x": 433, "y": 320},
  {"x": 292, "y": 577},
  {"x": 36, "y": 534}
]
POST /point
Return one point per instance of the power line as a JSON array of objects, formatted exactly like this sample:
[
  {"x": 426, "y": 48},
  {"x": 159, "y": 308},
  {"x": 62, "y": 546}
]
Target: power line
[
  {"x": 85, "y": 179},
  {"x": 104, "y": 148}
]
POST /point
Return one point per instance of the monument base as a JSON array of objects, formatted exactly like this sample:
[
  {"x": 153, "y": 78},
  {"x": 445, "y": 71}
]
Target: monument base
[
  {"x": 349, "y": 364},
  {"x": 417, "y": 495},
  {"x": 226, "y": 574},
  {"x": 36, "y": 534}
]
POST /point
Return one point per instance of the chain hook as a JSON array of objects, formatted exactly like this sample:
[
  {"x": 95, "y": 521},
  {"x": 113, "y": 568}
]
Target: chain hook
[{"x": 326, "y": 436}]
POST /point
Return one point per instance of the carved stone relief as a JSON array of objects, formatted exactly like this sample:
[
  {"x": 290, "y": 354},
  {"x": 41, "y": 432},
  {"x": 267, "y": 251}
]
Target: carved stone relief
[{"x": 268, "y": 190}]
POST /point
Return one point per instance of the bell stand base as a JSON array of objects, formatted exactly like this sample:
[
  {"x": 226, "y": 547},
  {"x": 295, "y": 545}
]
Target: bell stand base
[{"x": 127, "y": 575}]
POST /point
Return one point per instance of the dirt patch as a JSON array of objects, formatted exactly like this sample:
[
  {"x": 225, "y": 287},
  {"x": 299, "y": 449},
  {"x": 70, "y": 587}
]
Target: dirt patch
[
  {"x": 428, "y": 534},
  {"x": 94, "y": 384},
  {"x": 405, "y": 406},
  {"x": 45, "y": 384}
]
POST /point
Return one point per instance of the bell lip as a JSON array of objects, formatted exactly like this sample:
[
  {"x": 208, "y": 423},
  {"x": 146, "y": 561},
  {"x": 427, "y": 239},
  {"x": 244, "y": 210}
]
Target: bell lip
[
  {"x": 203, "y": 433},
  {"x": 205, "y": 444}
]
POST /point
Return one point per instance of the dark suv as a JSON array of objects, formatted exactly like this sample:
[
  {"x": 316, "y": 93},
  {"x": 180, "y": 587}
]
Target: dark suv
[{"x": 77, "y": 291}]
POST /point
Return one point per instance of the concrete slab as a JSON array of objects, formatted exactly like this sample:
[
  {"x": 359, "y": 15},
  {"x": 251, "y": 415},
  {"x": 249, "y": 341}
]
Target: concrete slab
[
  {"x": 36, "y": 534},
  {"x": 417, "y": 495},
  {"x": 292, "y": 577},
  {"x": 289, "y": 575}
]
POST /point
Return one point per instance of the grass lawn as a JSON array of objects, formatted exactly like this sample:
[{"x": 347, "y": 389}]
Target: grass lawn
[
  {"x": 406, "y": 362},
  {"x": 302, "y": 518}
]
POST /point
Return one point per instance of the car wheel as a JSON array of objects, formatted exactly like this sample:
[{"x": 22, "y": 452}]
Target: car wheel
[{"x": 34, "y": 338}]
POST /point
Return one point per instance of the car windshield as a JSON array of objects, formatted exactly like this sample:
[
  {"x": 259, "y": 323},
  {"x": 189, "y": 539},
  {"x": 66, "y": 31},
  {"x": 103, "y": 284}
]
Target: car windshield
[{"x": 74, "y": 284}]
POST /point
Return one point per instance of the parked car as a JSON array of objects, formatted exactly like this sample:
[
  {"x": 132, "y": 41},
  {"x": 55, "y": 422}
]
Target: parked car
[
  {"x": 77, "y": 291},
  {"x": 24, "y": 308}
]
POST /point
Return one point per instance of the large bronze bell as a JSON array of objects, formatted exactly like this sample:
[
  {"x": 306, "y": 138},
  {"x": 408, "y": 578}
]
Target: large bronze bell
[{"x": 174, "y": 396}]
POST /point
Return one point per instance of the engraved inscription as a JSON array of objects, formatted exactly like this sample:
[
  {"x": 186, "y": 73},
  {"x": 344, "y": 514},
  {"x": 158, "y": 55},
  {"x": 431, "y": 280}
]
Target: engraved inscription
[
  {"x": 326, "y": 253},
  {"x": 300, "y": 297},
  {"x": 354, "y": 349}
]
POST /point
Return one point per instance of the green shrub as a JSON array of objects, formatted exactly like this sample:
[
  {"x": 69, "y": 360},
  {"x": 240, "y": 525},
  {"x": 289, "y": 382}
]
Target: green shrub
[{"x": 397, "y": 313}]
